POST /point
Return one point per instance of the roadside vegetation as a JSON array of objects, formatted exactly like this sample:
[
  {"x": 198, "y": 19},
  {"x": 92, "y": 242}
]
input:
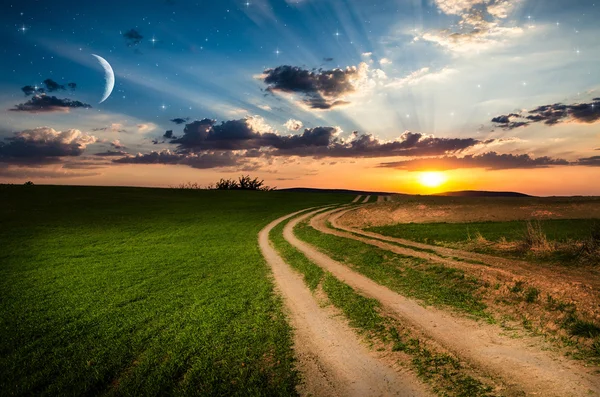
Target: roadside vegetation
[
  {"x": 559, "y": 241},
  {"x": 520, "y": 304},
  {"x": 126, "y": 291},
  {"x": 439, "y": 368},
  {"x": 413, "y": 277}
]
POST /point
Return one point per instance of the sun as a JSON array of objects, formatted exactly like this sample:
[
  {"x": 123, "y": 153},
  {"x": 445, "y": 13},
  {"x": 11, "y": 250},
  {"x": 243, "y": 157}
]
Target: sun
[{"x": 432, "y": 179}]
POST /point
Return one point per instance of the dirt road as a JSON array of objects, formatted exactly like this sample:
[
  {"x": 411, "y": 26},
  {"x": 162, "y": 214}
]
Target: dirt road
[
  {"x": 332, "y": 360},
  {"x": 518, "y": 362}
]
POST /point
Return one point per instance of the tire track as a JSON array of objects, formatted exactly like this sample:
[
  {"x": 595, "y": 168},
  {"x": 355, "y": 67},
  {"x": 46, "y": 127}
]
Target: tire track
[
  {"x": 516, "y": 361},
  {"x": 331, "y": 358}
]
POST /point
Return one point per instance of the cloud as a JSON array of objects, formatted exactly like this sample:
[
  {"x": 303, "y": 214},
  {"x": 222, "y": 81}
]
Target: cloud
[
  {"x": 489, "y": 161},
  {"x": 50, "y": 86},
  {"x": 590, "y": 161},
  {"x": 180, "y": 120},
  {"x": 112, "y": 153},
  {"x": 327, "y": 59},
  {"x": 321, "y": 89},
  {"x": 480, "y": 26},
  {"x": 385, "y": 61},
  {"x": 293, "y": 125},
  {"x": 133, "y": 37},
  {"x": 194, "y": 160},
  {"x": 46, "y": 104},
  {"x": 146, "y": 127},
  {"x": 44, "y": 145},
  {"x": 117, "y": 144},
  {"x": 114, "y": 127},
  {"x": 169, "y": 135},
  {"x": 421, "y": 75},
  {"x": 583, "y": 113},
  {"x": 35, "y": 172},
  {"x": 252, "y": 134}
]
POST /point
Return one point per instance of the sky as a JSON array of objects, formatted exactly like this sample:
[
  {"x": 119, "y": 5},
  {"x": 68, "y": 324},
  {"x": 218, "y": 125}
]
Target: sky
[{"x": 375, "y": 95}]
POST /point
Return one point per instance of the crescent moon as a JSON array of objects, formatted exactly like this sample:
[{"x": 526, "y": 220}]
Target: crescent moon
[{"x": 109, "y": 76}]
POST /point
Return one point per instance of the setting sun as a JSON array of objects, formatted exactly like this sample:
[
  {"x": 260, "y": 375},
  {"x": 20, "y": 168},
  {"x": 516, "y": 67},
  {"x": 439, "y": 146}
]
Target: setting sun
[{"x": 432, "y": 179}]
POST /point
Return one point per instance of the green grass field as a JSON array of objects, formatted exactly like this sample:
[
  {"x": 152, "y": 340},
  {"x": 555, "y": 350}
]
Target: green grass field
[{"x": 141, "y": 291}]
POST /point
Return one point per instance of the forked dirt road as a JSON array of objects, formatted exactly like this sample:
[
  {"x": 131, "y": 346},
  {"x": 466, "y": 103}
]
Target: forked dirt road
[
  {"x": 331, "y": 358},
  {"x": 518, "y": 362},
  {"x": 518, "y": 268}
]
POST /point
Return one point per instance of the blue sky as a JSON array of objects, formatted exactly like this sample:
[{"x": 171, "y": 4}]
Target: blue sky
[{"x": 443, "y": 69}]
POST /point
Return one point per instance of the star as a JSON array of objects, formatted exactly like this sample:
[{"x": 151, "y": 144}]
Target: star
[
  {"x": 277, "y": 52},
  {"x": 23, "y": 29}
]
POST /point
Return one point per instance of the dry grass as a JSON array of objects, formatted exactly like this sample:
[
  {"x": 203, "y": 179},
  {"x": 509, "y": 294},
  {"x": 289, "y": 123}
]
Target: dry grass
[{"x": 535, "y": 239}]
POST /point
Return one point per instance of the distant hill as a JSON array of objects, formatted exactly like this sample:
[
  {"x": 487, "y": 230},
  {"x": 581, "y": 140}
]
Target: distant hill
[
  {"x": 339, "y": 191},
  {"x": 477, "y": 193}
]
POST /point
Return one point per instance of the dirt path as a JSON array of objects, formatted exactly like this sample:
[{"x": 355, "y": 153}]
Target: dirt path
[
  {"x": 356, "y": 199},
  {"x": 366, "y": 200},
  {"x": 380, "y": 199},
  {"x": 330, "y": 357},
  {"x": 517, "y": 362},
  {"x": 556, "y": 278}
]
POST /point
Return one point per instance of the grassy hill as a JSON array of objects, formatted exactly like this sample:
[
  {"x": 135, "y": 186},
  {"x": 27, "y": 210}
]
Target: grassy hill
[{"x": 141, "y": 291}]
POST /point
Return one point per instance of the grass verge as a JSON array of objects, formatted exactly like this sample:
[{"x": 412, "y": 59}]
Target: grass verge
[
  {"x": 413, "y": 277},
  {"x": 443, "y": 371}
]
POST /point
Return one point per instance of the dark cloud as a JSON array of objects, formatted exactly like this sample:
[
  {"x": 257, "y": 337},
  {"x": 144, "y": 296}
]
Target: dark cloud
[
  {"x": 169, "y": 135},
  {"x": 242, "y": 134},
  {"x": 112, "y": 153},
  {"x": 328, "y": 59},
  {"x": 201, "y": 160},
  {"x": 180, "y": 120},
  {"x": 590, "y": 161},
  {"x": 43, "y": 145},
  {"x": 30, "y": 90},
  {"x": 489, "y": 161},
  {"x": 28, "y": 172},
  {"x": 321, "y": 89},
  {"x": 133, "y": 37},
  {"x": 44, "y": 103},
  {"x": 557, "y": 113},
  {"x": 52, "y": 85}
]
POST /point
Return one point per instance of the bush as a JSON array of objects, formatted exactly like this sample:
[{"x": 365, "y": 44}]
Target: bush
[
  {"x": 244, "y": 182},
  {"x": 28, "y": 183}
]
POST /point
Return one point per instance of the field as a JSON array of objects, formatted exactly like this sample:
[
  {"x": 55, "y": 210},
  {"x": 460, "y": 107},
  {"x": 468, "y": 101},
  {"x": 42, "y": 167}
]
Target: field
[
  {"x": 141, "y": 291},
  {"x": 125, "y": 291}
]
